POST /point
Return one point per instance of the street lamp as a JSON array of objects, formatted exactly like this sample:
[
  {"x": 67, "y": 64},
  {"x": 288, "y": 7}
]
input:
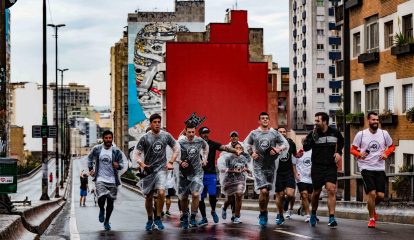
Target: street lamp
[
  {"x": 61, "y": 118},
  {"x": 57, "y": 26}
]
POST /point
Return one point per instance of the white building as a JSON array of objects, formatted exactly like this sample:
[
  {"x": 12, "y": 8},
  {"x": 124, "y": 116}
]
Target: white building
[
  {"x": 88, "y": 128},
  {"x": 27, "y": 110},
  {"x": 314, "y": 49}
]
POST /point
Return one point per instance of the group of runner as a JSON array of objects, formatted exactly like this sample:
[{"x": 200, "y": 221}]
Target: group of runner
[{"x": 266, "y": 154}]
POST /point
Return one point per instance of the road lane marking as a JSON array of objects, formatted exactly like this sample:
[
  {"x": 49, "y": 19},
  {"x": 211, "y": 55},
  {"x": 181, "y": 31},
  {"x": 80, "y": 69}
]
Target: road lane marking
[
  {"x": 74, "y": 233},
  {"x": 293, "y": 234}
]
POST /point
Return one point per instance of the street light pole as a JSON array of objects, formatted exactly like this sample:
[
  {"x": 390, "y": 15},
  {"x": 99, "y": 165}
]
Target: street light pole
[
  {"x": 44, "y": 196},
  {"x": 61, "y": 119},
  {"x": 57, "y": 106}
]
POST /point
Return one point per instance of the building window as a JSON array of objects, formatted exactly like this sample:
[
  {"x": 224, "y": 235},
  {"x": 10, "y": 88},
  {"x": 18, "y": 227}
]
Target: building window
[
  {"x": 335, "y": 91},
  {"x": 319, "y": 32},
  {"x": 319, "y": 3},
  {"x": 372, "y": 98},
  {"x": 389, "y": 98},
  {"x": 320, "y": 90},
  {"x": 320, "y": 18},
  {"x": 408, "y": 159},
  {"x": 371, "y": 34},
  {"x": 320, "y": 61},
  {"x": 390, "y": 164},
  {"x": 357, "y": 102},
  {"x": 357, "y": 44},
  {"x": 319, "y": 46},
  {"x": 407, "y": 97},
  {"x": 320, "y": 75},
  {"x": 407, "y": 23},
  {"x": 388, "y": 34}
]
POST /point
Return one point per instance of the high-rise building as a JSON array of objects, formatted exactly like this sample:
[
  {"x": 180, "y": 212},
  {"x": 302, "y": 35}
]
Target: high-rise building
[{"x": 315, "y": 47}]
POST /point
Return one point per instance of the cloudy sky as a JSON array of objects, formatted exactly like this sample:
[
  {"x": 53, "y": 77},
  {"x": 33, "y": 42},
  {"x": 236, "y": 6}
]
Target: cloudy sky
[{"x": 93, "y": 26}]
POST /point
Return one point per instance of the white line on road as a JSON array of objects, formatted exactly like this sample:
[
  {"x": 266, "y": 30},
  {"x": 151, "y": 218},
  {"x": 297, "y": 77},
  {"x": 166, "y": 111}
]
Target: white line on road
[
  {"x": 74, "y": 233},
  {"x": 293, "y": 234}
]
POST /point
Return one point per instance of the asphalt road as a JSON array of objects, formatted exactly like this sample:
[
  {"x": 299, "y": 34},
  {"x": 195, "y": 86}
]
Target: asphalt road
[
  {"x": 32, "y": 187},
  {"x": 129, "y": 218}
]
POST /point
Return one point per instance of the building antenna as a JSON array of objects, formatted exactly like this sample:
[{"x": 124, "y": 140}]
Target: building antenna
[{"x": 236, "y": 5}]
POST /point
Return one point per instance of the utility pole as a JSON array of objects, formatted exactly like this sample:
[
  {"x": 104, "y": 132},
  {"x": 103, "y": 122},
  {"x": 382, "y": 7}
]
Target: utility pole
[
  {"x": 57, "y": 108},
  {"x": 62, "y": 123},
  {"x": 45, "y": 195}
]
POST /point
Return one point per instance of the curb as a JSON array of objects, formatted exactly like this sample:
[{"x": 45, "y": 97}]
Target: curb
[{"x": 14, "y": 229}]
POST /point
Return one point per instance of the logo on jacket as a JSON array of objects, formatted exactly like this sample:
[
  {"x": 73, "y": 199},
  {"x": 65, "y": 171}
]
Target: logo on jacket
[
  {"x": 264, "y": 144},
  {"x": 374, "y": 146},
  {"x": 157, "y": 147},
  {"x": 307, "y": 162},
  {"x": 192, "y": 152},
  {"x": 106, "y": 159}
]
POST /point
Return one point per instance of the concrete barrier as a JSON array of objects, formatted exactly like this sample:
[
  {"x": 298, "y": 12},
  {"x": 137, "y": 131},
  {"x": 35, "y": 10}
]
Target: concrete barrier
[{"x": 11, "y": 228}]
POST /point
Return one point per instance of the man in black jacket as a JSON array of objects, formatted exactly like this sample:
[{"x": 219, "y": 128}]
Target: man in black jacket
[{"x": 326, "y": 144}]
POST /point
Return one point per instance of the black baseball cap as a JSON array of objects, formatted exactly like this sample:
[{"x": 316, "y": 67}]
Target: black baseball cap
[
  {"x": 203, "y": 130},
  {"x": 234, "y": 133}
]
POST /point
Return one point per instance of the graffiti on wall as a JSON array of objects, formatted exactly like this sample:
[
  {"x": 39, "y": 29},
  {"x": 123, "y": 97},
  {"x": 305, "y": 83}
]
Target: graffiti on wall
[{"x": 146, "y": 73}]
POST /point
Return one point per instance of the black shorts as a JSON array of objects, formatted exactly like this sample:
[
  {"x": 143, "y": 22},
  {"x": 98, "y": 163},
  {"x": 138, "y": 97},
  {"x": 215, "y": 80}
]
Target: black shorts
[
  {"x": 284, "y": 182},
  {"x": 170, "y": 192},
  {"x": 374, "y": 180},
  {"x": 305, "y": 187},
  {"x": 322, "y": 175}
]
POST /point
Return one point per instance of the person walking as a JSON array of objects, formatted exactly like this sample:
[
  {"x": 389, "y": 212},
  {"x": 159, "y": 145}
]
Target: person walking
[{"x": 84, "y": 188}]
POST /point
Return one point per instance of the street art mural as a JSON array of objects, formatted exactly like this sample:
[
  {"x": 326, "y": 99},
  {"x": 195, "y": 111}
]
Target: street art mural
[{"x": 146, "y": 71}]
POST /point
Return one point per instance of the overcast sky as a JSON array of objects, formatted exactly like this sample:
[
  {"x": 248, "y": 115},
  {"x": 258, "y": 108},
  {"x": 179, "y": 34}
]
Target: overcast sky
[{"x": 93, "y": 26}]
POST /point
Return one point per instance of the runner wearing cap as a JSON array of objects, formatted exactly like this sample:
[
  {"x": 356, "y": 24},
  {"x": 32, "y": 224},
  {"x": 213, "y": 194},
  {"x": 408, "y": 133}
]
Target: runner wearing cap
[{"x": 210, "y": 175}]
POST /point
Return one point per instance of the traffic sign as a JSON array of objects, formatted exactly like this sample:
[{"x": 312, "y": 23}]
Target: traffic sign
[{"x": 40, "y": 131}]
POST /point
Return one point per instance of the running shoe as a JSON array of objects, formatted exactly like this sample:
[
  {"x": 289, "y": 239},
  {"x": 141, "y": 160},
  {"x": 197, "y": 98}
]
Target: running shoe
[
  {"x": 280, "y": 219},
  {"x": 107, "y": 226},
  {"x": 332, "y": 222},
  {"x": 236, "y": 220},
  {"x": 215, "y": 217},
  {"x": 193, "y": 223},
  {"x": 371, "y": 223},
  {"x": 101, "y": 216},
  {"x": 184, "y": 223},
  {"x": 263, "y": 220},
  {"x": 168, "y": 214},
  {"x": 223, "y": 213},
  {"x": 149, "y": 224},
  {"x": 307, "y": 218},
  {"x": 203, "y": 222},
  {"x": 158, "y": 224},
  {"x": 312, "y": 220},
  {"x": 288, "y": 214}
]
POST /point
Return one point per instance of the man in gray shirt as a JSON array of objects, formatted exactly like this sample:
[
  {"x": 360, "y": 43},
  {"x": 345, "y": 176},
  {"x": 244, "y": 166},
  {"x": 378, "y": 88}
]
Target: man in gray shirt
[
  {"x": 151, "y": 156},
  {"x": 108, "y": 160}
]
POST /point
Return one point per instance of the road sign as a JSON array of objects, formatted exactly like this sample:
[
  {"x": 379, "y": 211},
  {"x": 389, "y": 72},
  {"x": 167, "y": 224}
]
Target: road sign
[{"x": 39, "y": 131}]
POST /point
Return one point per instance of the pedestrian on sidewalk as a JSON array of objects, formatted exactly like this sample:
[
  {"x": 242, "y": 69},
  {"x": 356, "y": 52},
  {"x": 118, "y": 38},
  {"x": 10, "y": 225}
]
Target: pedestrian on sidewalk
[
  {"x": 326, "y": 144},
  {"x": 84, "y": 188},
  {"x": 51, "y": 177},
  {"x": 372, "y": 147},
  {"x": 302, "y": 165},
  {"x": 233, "y": 170},
  {"x": 151, "y": 157},
  {"x": 265, "y": 145},
  {"x": 210, "y": 176},
  {"x": 189, "y": 174},
  {"x": 107, "y": 160},
  {"x": 285, "y": 180}
]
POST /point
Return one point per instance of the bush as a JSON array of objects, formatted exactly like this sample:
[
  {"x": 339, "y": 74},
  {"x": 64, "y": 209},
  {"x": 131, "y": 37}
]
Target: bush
[{"x": 129, "y": 175}]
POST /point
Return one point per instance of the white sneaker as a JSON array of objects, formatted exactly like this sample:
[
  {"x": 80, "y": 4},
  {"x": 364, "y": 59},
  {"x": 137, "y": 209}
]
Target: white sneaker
[
  {"x": 307, "y": 218},
  {"x": 288, "y": 214},
  {"x": 236, "y": 220}
]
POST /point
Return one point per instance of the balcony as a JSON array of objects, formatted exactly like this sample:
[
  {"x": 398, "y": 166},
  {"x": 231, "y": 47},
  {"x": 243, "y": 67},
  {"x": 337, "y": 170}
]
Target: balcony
[
  {"x": 332, "y": 26},
  {"x": 304, "y": 43},
  {"x": 294, "y": 5},
  {"x": 304, "y": 114},
  {"x": 295, "y": 101},
  {"x": 304, "y": 100},
  {"x": 295, "y": 114},
  {"x": 334, "y": 41},
  {"x": 295, "y": 74},
  {"x": 339, "y": 15},
  {"x": 304, "y": 29},
  {"x": 366, "y": 58},
  {"x": 303, "y": 2},
  {"x": 352, "y": 3},
  {"x": 304, "y": 15},
  {"x": 295, "y": 19},
  {"x": 332, "y": 70},
  {"x": 335, "y": 84},
  {"x": 304, "y": 86},
  {"x": 334, "y": 98},
  {"x": 295, "y": 33},
  {"x": 334, "y": 55},
  {"x": 295, "y": 87},
  {"x": 331, "y": 11},
  {"x": 303, "y": 71},
  {"x": 340, "y": 68},
  {"x": 304, "y": 57},
  {"x": 295, "y": 60},
  {"x": 295, "y": 47}
]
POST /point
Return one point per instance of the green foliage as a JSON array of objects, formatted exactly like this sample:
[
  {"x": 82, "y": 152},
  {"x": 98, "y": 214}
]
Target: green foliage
[
  {"x": 130, "y": 175},
  {"x": 402, "y": 184},
  {"x": 400, "y": 38},
  {"x": 410, "y": 115}
]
